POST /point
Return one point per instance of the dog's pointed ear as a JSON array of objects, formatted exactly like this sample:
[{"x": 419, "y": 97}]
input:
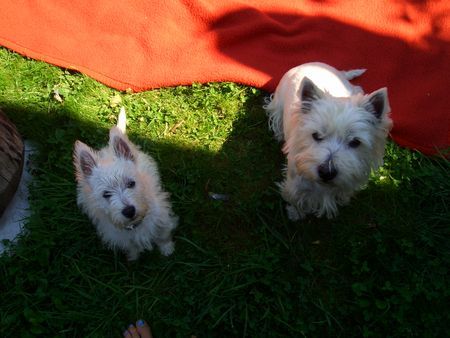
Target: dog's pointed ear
[
  {"x": 122, "y": 149},
  {"x": 120, "y": 144},
  {"x": 377, "y": 103},
  {"x": 84, "y": 160},
  {"x": 308, "y": 93}
]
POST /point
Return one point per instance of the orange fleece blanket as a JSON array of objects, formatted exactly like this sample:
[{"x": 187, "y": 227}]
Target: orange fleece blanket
[{"x": 145, "y": 44}]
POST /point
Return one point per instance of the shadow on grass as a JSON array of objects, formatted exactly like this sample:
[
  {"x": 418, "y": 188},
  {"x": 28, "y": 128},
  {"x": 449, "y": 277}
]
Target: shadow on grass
[{"x": 240, "y": 267}]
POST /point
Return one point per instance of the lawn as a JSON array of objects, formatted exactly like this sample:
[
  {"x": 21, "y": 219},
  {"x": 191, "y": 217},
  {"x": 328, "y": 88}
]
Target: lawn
[{"x": 240, "y": 267}]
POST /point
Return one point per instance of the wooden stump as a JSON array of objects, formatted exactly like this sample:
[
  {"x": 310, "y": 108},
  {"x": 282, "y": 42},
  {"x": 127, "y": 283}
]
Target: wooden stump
[{"x": 11, "y": 160}]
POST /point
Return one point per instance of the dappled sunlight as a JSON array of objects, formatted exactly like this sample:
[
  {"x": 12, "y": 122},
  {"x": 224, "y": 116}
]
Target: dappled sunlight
[
  {"x": 384, "y": 179},
  {"x": 145, "y": 45},
  {"x": 398, "y": 168}
]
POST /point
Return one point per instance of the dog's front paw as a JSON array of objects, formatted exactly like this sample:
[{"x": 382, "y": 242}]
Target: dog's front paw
[
  {"x": 167, "y": 248},
  {"x": 293, "y": 213},
  {"x": 132, "y": 255}
]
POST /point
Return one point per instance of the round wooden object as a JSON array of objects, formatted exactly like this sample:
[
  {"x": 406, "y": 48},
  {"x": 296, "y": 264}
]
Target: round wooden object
[{"x": 11, "y": 160}]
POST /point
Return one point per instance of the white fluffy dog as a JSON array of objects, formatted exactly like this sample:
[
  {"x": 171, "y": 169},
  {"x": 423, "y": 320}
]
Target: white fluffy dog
[
  {"x": 120, "y": 190},
  {"x": 334, "y": 136}
]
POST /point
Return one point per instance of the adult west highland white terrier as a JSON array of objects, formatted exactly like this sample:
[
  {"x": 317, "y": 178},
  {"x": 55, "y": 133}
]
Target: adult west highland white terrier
[
  {"x": 333, "y": 134},
  {"x": 119, "y": 189}
]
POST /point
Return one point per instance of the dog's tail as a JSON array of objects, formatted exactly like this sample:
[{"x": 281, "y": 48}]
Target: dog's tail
[
  {"x": 351, "y": 74},
  {"x": 122, "y": 120},
  {"x": 274, "y": 110}
]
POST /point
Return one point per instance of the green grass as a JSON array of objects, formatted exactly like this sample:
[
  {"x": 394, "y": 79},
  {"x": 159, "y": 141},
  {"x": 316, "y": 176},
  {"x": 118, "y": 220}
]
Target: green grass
[{"x": 240, "y": 267}]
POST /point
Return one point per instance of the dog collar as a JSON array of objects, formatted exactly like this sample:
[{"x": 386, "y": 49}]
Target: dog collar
[{"x": 133, "y": 226}]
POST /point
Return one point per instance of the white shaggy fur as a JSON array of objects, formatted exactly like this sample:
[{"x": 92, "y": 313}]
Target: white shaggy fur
[
  {"x": 334, "y": 136},
  {"x": 120, "y": 190}
]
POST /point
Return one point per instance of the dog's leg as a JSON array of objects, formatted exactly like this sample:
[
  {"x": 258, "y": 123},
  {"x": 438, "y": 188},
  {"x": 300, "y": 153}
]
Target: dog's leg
[
  {"x": 288, "y": 194},
  {"x": 164, "y": 241},
  {"x": 132, "y": 254},
  {"x": 293, "y": 213},
  {"x": 166, "y": 247}
]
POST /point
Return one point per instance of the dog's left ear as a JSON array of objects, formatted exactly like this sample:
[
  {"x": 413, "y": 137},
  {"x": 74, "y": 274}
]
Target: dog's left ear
[
  {"x": 377, "y": 103},
  {"x": 308, "y": 93},
  {"x": 119, "y": 143}
]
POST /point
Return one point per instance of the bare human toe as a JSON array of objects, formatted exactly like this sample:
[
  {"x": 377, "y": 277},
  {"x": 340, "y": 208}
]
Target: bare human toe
[
  {"x": 131, "y": 332},
  {"x": 143, "y": 329},
  {"x": 140, "y": 330}
]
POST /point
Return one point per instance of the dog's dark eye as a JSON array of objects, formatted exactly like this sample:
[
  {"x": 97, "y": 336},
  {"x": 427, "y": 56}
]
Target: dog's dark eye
[
  {"x": 131, "y": 184},
  {"x": 354, "y": 143},
  {"x": 107, "y": 194},
  {"x": 316, "y": 137}
]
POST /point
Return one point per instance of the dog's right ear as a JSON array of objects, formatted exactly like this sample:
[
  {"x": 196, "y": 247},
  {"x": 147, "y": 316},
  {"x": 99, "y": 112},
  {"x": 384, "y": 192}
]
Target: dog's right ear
[
  {"x": 119, "y": 143},
  {"x": 83, "y": 160},
  {"x": 308, "y": 93},
  {"x": 377, "y": 103}
]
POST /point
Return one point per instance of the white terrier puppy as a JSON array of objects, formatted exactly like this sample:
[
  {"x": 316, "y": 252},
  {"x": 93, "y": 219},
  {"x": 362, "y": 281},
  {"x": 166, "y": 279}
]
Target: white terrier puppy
[
  {"x": 334, "y": 136},
  {"x": 120, "y": 190}
]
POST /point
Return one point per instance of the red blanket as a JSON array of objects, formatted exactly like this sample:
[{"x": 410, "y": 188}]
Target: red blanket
[{"x": 144, "y": 44}]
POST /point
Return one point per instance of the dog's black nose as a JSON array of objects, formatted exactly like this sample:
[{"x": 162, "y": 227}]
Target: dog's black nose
[
  {"x": 129, "y": 211},
  {"x": 327, "y": 171}
]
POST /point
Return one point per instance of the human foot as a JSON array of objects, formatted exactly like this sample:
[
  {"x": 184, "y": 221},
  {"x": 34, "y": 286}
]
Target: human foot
[{"x": 140, "y": 330}]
